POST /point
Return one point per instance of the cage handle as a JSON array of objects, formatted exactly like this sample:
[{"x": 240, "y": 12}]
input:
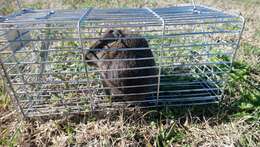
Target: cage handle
[
  {"x": 194, "y": 4},
  {"x": 195, "y": 10}
]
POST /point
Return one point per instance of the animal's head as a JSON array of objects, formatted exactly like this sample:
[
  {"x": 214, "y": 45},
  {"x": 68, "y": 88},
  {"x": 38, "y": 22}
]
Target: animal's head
[{"x": 96, "y": 51}]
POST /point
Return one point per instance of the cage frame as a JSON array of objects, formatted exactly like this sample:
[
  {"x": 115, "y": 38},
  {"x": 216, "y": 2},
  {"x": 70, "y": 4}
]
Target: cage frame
[{"x": 14, "y": 97}]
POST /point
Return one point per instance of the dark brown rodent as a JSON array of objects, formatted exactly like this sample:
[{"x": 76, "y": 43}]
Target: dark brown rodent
[{"x": 115, "y": 44}]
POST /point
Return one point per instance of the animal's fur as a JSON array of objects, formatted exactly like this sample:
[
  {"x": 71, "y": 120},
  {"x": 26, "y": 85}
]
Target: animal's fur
[{"x": 114, "y": 42}]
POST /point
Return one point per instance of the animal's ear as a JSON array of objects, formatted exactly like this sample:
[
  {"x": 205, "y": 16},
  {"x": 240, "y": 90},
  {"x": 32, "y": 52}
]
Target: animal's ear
[
  {"x": 98, "y": 44},
  {"x": 118, "y": 33},
  {"x": 91, "y": 56},
  {"x": 108, "y": 37},
  {"x": 113, "y": 34},
  {"x": 108, "y": 34}
]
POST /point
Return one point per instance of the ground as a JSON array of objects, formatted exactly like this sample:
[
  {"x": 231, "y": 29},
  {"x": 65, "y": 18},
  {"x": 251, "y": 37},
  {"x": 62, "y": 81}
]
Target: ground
[{"x": 233, "y": 122}]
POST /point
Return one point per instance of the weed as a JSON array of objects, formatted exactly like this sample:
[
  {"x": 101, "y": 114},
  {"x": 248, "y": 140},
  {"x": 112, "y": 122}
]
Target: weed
[{"x": 168, "y": 136}]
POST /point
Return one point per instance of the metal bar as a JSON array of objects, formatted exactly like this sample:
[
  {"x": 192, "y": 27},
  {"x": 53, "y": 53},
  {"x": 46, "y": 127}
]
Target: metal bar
[
  {"x": 151, "y": 24},
  {"x": 106, "y": 60},
  {"x": 161, "y": 48},
  {"x": 189, "y": 99},
  {"x": 84, "y": 81},
  {"x": 239, "y": 39},
  {"x": 53, "y": 113},
  {"x": 105, "y": 104},
  {"x": 71, "y": 49},
  {"x": 235, "y": 52},
  {"x": 127, "y": 17},
  {"x": 86, "y": 13},
  {"x": 163, "y": 84},
  {"x": 169, "y": 66},
  {"x": 9, "y": 86},
  {"x": 158, "y": 37},
  {"x": 43, "y": 57},
  {"x": 166, "y": 97}
]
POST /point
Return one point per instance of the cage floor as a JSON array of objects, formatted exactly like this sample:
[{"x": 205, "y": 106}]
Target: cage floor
[
  {"x": 196, "y": 93},
  {"x": 192, "y": 94}
]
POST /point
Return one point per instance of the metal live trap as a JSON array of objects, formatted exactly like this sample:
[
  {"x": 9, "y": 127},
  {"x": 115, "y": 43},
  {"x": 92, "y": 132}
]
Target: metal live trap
[{"x": 43, "y": 63}]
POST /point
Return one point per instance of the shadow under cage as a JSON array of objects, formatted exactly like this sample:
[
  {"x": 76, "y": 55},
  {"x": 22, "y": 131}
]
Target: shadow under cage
[{"x": 43, "y": 57}]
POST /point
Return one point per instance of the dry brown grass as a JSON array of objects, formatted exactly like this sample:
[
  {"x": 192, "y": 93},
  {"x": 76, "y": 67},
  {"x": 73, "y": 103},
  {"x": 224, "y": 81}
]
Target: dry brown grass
[
  {"x": 137, "y": 130},
  {"x": 188, "y": 127}
]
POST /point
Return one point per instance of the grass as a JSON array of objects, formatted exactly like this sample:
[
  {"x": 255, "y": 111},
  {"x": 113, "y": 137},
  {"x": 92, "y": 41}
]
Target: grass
[{"x": 234, "y": 122}]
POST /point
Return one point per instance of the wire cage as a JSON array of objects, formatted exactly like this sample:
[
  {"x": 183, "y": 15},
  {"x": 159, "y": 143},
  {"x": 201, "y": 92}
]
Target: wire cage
[{"x": 43, "y": 57}]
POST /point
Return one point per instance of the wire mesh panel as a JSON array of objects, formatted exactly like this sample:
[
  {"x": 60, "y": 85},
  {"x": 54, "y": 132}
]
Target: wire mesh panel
[{"x": 62, "y": 61}]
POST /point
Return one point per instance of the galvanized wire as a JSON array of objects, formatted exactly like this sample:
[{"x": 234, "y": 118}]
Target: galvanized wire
[{"x": 42, "y": 52}]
